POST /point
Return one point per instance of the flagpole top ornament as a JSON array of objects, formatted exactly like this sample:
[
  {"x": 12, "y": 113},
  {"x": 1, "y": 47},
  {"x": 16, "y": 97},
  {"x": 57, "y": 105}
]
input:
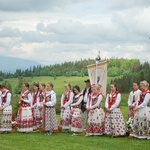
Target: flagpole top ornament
[{"x": 98, "y": 58}]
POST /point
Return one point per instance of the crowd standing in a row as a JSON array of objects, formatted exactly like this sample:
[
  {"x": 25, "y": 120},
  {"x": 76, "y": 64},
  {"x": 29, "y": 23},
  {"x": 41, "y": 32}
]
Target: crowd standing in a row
[{"x": 79, "y": 110}]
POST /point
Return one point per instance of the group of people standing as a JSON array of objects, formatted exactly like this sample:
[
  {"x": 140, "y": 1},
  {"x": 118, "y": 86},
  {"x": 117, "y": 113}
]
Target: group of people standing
[
  {"x": 83, "y": 109},
  {"x": 79, "y": 110},
  {"x": 35, "y": 109}
]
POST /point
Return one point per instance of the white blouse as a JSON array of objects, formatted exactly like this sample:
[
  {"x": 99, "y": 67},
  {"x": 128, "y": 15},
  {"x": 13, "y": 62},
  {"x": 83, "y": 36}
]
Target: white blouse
[
  {"x": 28, "y": 98},
  {"x": 135, "y": 95},
  {"x": 116, "y": 104},
  {"x": 85, "y": 97},
  {"x": 52, "y": 102},
  {"x": 89, "y": 102},
  {"x": 69, "y": 101},
  {"x": 146, "y": 101},
  {"x": 79, "y": 101},
  {"x": 8, "y": 99}
]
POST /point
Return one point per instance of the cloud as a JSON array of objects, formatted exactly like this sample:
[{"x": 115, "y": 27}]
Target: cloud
[
  {"x": 56, "y": 31},
  {"x": 10, "y": 32},
  {"x": 36, "y": 5},
  {"x": 128, "y": 4},
  {"x": 33, "y": 36}
]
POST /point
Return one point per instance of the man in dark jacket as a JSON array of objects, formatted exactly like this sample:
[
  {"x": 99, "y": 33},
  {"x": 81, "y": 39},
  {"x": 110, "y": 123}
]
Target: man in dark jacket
[{"x": 86, "y": 91}]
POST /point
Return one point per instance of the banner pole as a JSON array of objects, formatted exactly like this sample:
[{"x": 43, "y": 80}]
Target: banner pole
[{"x": 97, "y": 61}]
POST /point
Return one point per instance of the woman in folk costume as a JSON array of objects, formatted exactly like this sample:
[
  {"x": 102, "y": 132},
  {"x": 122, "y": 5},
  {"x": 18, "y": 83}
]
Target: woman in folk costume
[
  {"x": 35, "y": 107},
  {"x": 42, "y": 98},
  {"x": 133, "y": 99},
  {"x": 24, "y": 117},
  {"x": 95, "y": 124},
  {"x": 49, "y": 113},
  {"x": 76, "y": 121},
  {"x": 141, "y": 121},
  {"x": 66, "y": 100},
  {"x": 114, "y": 121},
  {"x": 5, "y": 110}
]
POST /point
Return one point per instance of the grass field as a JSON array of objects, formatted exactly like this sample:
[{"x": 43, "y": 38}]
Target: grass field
[{"x": 63, "y": 141}]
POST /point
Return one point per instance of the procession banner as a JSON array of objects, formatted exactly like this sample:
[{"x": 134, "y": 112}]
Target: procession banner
[{"x": 98, "y": 75}]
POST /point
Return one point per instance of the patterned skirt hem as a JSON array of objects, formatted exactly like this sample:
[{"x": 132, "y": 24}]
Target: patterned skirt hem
[
  {"x": 76, "y": 129},
  {"x": 89, "y": 134},
  {"x": 5, "y": 129},
  {"x": 66, "y": 127},
  {"x": 25, "y": 130}
]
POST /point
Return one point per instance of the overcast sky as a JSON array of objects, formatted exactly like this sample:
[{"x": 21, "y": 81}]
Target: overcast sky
[{"x": 54, "y": 31}]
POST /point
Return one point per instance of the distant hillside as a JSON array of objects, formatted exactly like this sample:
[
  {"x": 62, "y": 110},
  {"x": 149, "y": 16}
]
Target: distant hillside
[
  {"x": 121, "y": 71},
  {"x": 10, "y": 64}
]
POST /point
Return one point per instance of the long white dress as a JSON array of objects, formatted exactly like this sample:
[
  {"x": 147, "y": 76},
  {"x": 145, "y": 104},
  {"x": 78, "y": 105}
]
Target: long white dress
[
  {"x": 6, "y": 114},
  {"x": 134, "y": 97},
  {"x": 76, "y": 121},
  {"x": 141, "y": 122},
  {"x": 114, "y": 121},
  {"x": 24, "y": 116},
  {"x": 49, "y": 122},
  {"x": 36, "y": 111},
  {"x": 66, "y": 100},
  {"x": 95, "y": 124}
]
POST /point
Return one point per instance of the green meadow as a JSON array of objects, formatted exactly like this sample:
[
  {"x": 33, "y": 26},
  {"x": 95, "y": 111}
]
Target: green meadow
[{"x": 64, "y": 141}]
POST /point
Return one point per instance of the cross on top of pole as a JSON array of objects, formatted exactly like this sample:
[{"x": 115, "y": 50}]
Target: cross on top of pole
[{"x": 98, "y": 58}]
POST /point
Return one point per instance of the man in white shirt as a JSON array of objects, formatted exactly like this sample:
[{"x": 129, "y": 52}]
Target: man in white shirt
[
  {"x": 134, "y": 97},
  {"x": 85, "y": 92}
]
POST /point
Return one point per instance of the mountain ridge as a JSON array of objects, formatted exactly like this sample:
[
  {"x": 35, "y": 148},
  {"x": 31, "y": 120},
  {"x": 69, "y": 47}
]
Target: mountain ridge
[{"x": 10, "y": 64}]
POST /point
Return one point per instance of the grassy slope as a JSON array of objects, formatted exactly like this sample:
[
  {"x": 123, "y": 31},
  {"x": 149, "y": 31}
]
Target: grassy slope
[{"x": 37, "y": 141}]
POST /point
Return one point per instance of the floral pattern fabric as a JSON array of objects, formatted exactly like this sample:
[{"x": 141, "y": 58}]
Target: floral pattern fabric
[
  {"x": 5, "y": 119},
  {"x": 49, "y": 119},
  {"x": 95, "y": 125},
  {"x": 140, "y": 127},
  {"x": 114, "y": 123},
  {"x": 65, "y": 118},
  {"x": 76, "y": 122},
  {"x": 25, "y": 119},
  {"x": 36, "y": 118}
]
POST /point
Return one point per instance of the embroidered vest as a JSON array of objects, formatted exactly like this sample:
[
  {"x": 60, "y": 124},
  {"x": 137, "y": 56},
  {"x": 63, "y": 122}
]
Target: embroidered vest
[
  {"x": 4, "y": 97},
  {"x": 142, "y": 96},
  {"x": 35, "y": 98},
  {"x": 112, "y": 99},
  {"x": 24, "y": 95},
  {"x": 94, "y": 98},
  {"x": 66, "y": 97},
  {"x": 75, "y": 100},
  {"x": 42, "y": 94},
  {"x": 48, "y": 98}
]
